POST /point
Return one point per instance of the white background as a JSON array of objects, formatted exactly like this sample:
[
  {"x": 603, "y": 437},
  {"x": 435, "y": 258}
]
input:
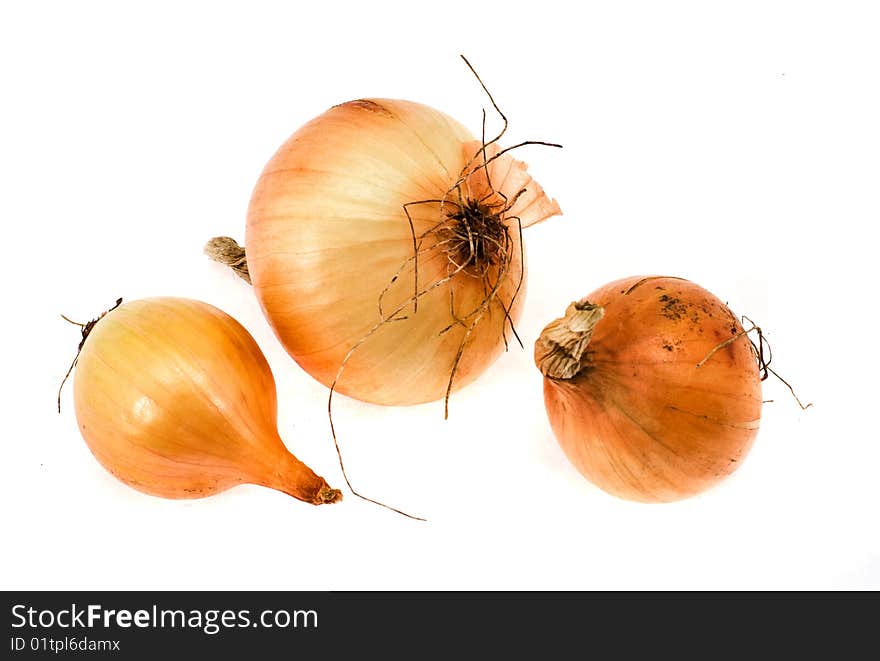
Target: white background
[{"x": 735, "y": 144}]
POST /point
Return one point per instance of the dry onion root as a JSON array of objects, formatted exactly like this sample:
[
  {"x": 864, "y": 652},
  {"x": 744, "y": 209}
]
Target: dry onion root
[
  {"x": 175, "y": 398},
  {"x": 651, "y": 387},
  {"x": 384, "y": 244}
]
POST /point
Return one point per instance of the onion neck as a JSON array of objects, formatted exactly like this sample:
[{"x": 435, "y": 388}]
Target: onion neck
[
  {"x": 289, "y": 475},
  {"x": 226, "y": 250},
  {"x": 559, "y": 351}
]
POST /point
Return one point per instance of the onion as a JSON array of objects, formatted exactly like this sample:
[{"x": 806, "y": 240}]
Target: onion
[
  {"x": 651, "y": 387},
  {"x": 175, "y": 398},
  {"x": 383, "y": 238}
]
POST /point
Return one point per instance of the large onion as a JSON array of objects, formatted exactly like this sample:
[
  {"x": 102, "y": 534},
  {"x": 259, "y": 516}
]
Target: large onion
[
  {"x": 330, "y": 249},
  {"x": 651, "y": 387}
]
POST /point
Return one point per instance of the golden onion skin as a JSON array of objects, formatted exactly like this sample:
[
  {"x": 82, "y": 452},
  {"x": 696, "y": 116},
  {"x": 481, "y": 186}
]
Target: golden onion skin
[
  {"x": 641, "y": 420},
  {"x": 175, "y": 398},
  {"x": 327, "y": 235}
]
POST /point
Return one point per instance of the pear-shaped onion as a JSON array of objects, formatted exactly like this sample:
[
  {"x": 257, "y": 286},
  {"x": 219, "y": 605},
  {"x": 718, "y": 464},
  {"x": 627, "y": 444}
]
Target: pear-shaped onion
[
  {"x": 175, "y": 398},
  {"x": 645, "y": 393},
  {"x": 333, "y": 255}
]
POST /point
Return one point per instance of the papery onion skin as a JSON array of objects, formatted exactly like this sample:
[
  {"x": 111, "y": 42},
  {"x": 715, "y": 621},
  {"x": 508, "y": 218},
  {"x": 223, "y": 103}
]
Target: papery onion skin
[
  {"x": 175, "y": 398},
  {"x": 640, "y": 419},
  {"x": 327, "y": 234}
]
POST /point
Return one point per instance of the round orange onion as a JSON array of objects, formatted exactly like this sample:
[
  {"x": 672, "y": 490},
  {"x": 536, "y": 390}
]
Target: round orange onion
[
  {"x": 383, "y": 238},
  {"x": 175, "y": 398},
  {"x": 644, "y": 391}
]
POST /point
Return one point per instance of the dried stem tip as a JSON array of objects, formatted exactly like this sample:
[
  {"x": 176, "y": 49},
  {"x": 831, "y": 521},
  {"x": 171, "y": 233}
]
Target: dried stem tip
[
  {"x": 226, "y": 250},
  {"x": 327, "y": 496},
  {"x": 560, "y": 348}
]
